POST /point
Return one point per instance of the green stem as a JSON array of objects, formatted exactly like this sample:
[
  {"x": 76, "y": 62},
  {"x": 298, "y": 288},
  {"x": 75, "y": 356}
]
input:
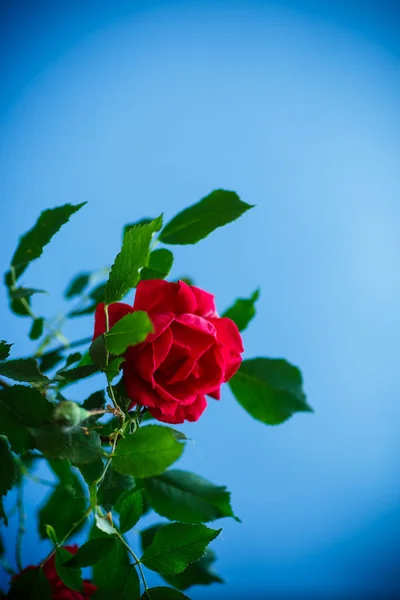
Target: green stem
[
  {"x": 137, "y": 562},
  {"x": 67, "y": 535}
]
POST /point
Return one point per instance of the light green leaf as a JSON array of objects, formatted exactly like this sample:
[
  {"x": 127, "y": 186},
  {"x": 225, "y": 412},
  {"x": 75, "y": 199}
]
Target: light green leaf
[
  {"x": 30, "y": 585},
  {"x": 183, "y": 496},
  {"x": 163, "y": 593},
  {"x": 176, "y": 546},
  {"x": 270, "y": 390},
  {"x": 104, "y": 525},
  {"x": 148, "y": 452},
  {"x": 8, "y": 469},
  {"x": 51, "y": 534},
  {"x": 77, "y": 285},
  {"x": 23, "y": 369},
  {"x": 32, "y": 243},
  {"x": 160, "y": 264},
  {"x": 128, "y": 331},
  {"x": 243, "y": 310},
  {"x": 92, "y": 551},
  {"x": 22, "y": 407},
  {"x": 72, "y": 577},
  {"x": 36, "y": 329},
  {"x": 130, "y": 508},
  {"x": 199, "y": 220},
  {"x": 4, "y": 350},
  {"x": 134, "y": 255},
  {"x": 63, "y": 507}
]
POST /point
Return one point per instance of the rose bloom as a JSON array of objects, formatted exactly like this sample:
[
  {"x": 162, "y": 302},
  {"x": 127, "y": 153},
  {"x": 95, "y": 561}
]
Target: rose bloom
[
  {"x": 59, "y": 591},
  {"x": 190, "y": 354}
]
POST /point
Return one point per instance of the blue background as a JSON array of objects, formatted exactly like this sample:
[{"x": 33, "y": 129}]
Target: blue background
[{"x": 144, "y": 107}]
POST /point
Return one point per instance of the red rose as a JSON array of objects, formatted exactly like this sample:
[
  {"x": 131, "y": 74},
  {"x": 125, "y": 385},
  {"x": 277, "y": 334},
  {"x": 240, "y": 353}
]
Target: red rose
[
  {"x": 191, "y": 352},
  {"x": 59, "y": 591}
]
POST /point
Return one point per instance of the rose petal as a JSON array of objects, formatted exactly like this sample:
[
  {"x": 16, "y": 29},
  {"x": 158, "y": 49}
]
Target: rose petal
[
  {"x": 161, "y": 347},
  {"x": 216, "y": 394},
  {"x": 193, "y": 332},
  {"x": 205, "y": 302},
  {"x": 160, "y": 296},
  {"x": 232, "y": 345},
  {"x": 116, "y": 311},
  {"x": 182, "y": 413},
  {"x": 141, "y": 392},
  {"x": 211, "y": 370}
]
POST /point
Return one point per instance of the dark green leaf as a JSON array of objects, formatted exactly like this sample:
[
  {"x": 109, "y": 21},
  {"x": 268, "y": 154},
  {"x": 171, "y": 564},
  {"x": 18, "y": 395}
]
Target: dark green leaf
[
  {"x": 4, "y": 350},
  {"x": 183, "y": 496},
  {"x": 32, "y": 243},
  {"x": 73, "y": 358},
  {"x": 160, "y": 264},
  {"x": 269, "y": 389},
  {"x": 112, "y": 369},
  {"x": 8, "y": 470},
  {"x": 82, "y": 312},
  {"x": 79, "y": 372},
  {"x": 96, "y": 401},
  {"x": 22, "y": 407},
  {"x": 128, "y": 331},
  {"x": 62, "y": 508},
  {"x": 97, "y": 351},
  {"x": 163, "y": 593},
  {"x": 77, "y": 445},
  {"x": 25, "y": 293},
  {"x": 36, "y": 329},
  {"x": 134, "y": 255},
  {"x": 148, "y": 452},
  {"x": 72, "y": 577},
  {"x": 121, "y": 396},
  {"x": 176, "y": 546},
  {"x": 98, "y": 293},
  {"x": 243, "y": 310},
  {"x": 109, "y": 572},
  {"x": 50, "y": 360},
  {"x": 2, "y": 512},
  {"x": 62, "y": 470},
  {"x": 92, "y": 551},
  {"x": 112, "y": 487},
  {"x": 199, "y": 220},
  {"x": 30, "y": 585},
  {"x": 23, "y": 369},
  {"x": 129, "y": 507},
  {"x": 77, "y": 285},
  {"x": 91, "y": 471}
]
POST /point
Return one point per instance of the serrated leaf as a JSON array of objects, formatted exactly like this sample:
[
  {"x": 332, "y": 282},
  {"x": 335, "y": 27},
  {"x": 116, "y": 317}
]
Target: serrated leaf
[
  {"x": 4, "y": 349},
  {"x": 110, "y": 571},
  {"x": 160, "y": 264},
  {"x": 163, "y": 593},
  {"x": 112, "y": 369},
  {"x": 32, "y": 584},
  {"x": 62, "y": 508},
  {"x": 148, "y": 452},
  {"x": 176, "y": 546},
  {"x": 77, "y": 446},
  {"x": 37, "y": 329},
  {"x": 77, "y": 285},
  {"x": 22, "y": 292},
  {"x": 129, "y": 226},
  {"x": 50, "y": 360},
  {"x": 199, "y": 220},
  {"x": 8, "y": 470},
  {"x": 112, "y": 487},
  {"x": 32, "y": 243},
  {"x": 128, "y": 331},
  {"x": 270, "y": 390},
  {"x": 104, "y": 525},
  {"x": 23, "y": 369},
  {"x": 22, "y": 407},
  {"x": 92, "y": 551},
  {"x": 243, "y": 310},
  {"x": 72, "y": 577},
  {"x": 186, "y": 497},
  {"x": 130, "y": 508},
  {"x": 95, "y": 401},
  {"x": 134, "y": 255}
]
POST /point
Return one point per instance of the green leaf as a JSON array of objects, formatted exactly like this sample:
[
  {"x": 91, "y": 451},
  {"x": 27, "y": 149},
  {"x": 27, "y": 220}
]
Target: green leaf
[
  {"x": 62, "y": 470},
  {"x": 134, "y": 255},
  {"x": 91, "y": 471},
  {"x": 129, "y": 226},
  {"x": 77, "y": 285},
  {"x": 160, "y": 264},
  {"x": 98, "y": 293},
  {"x": 36, "y": 329},
  {"x": 121, "y": 396},
  {"x": 76, "y": 373},
  {"x": 23, "y": 369},
  {"x": 110, "y": 572},
  {"x": 62, "y": 508},
  {"x": 32, "y": 243},
  {"x": 72, "y": 577},
  {"x": 50, "y": 360},
  {"x": 128, "y": 331},
  {"x": 148, "y": 452},
  {"x": 243, "y": 310},
  {"x": 104, "y": 525},
  {"x": 112, "y": 369},
  {"x": 2, "y": 513},
  {"x": 22, "y": 407},
  {"x": 73, "y": 358},
  {"x": 130, "y": 508},
  {"x": 51, "y": 534},
  {"x": 95, "y": 401},
  {"x": 183, "y": 496},
  {"x": 176, "y": 546},
  {"x": 97, "y": 351},
  {"x": 92, "y": 551},
  {"x": 270, "y": 390},
  {"x": 77, "y": 445},
  {"x": 112, "y": 487},
  {"x": 8, "y": 470},
  {"x": 22, "y": 292},
  {"x": 30, "y": 585},
  {"x": 163, "y": 593},
  {"x": 199, "y": 220},
  {"x": 4, "y": 350}
]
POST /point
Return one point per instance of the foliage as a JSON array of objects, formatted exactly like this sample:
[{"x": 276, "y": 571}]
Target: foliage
[{"x": 110, "y": 467}]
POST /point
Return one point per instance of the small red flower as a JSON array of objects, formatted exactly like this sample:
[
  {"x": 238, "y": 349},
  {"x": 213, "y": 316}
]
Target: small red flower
[{"x": 190, "y": 354}]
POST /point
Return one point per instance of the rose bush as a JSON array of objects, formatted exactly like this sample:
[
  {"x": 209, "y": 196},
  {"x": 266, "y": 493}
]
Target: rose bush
[
  {"x": 59, "y": 591},
  {"x": 190, "y": 354}
]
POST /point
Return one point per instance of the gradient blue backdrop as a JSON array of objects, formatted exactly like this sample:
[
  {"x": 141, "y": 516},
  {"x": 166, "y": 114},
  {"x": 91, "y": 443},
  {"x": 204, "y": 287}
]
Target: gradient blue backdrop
[{"x": 143, "y": 107}]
